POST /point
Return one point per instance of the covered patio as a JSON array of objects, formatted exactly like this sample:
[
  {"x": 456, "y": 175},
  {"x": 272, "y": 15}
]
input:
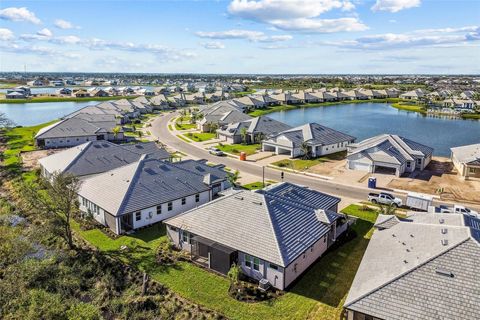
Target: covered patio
[{"x": 213, "y": 255}]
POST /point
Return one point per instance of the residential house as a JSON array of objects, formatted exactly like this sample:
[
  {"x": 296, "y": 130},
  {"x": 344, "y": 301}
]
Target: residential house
[
  {"x": 256, "y": 129},
  {"x": 457, "y": 103},
  {"x": 15, "y": 95},
  {"x": 220, "y": 114},
  {"x": 466, "y": 160},
  {"x": 422, "y": 267},
  {"x": 274, "y": 234},
  {"x": 95, "y": 157},
  {"x": 388, "y": 153},
  {"x": 65, "y": 91},
  {"x": 320, "y": 140},
  {"x": 81, "y": 93},
  {"x": 149, "y": 191},
  {"x": 98, "y": 93},
  {"x": 77, "y": 130},
  {"x": 413, "y": 95}
]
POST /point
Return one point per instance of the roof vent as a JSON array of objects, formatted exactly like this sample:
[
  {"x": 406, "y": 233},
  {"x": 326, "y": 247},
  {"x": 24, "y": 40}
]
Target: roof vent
[
  {"x": 257, "y": 202},
  {"x": 393, "y": 235},
  {"x": 411, "y": 235},
  {"x": 441, "y": 221},
  {"x": 444, "y": 230},
  {"x": 444, "y": 272},
  {"x": 238, "y": 198},
  {"x": 405, "y": 261},
  {"x": 445, "y": 242}
]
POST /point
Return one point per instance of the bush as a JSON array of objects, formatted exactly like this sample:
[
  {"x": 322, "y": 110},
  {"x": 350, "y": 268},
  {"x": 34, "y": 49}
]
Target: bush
[{"x": 83, "y": 311}]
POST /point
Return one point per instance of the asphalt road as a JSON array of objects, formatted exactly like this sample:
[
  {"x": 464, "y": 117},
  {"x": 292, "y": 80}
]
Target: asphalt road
[{"x": 160, "y": 130}]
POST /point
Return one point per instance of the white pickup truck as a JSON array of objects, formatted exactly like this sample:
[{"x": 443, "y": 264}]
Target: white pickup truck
[
  {"x": 385, "y": 198},
  {"x": 456, "y": 209}
]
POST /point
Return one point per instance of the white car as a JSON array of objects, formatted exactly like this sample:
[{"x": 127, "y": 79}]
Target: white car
[{"x": 216, "y": 151}]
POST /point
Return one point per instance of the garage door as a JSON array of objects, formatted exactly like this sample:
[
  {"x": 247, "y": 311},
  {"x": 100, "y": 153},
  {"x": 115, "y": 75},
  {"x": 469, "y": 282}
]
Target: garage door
[
  {"x": 354, "y": 165},
  {"x": 385, "y": 170}
]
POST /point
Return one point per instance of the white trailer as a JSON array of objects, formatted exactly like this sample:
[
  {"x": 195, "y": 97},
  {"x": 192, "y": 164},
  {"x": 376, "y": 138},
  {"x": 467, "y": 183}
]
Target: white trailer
[{"x": 419, "y": 201}]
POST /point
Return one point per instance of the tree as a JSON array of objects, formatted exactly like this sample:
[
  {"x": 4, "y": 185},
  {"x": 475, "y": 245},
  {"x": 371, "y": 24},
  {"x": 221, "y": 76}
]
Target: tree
[
  {"x": 234, "y": 274},
  {"x": 57, "y": 200},
  {"x": 387, "y": 209},
  {"x": 305, "y": 148},
  {"x": 259, "y": 137},
  {"x": 5, "y": 122},
  {"x": 115, "y": 131},
  {"x": 140, "y": 134},
  {"x": 213, "y": 127},
  {"x": 233, "y": 178},
  {"x": 243, "y": 134}
]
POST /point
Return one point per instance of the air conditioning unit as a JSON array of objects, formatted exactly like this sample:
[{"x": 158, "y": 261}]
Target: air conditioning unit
[{"x": 263, "y": 284}]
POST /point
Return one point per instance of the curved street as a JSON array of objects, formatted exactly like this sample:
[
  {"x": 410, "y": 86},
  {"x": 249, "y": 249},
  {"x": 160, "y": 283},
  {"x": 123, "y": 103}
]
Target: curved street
[{"x": 160, "y": 130}]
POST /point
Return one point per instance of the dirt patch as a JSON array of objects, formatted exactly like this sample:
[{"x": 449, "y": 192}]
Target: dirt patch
[
  {"x": 331, "y": 168},
  {"x": 440, "y": 178},
  {"x": 30, "y": 158}
]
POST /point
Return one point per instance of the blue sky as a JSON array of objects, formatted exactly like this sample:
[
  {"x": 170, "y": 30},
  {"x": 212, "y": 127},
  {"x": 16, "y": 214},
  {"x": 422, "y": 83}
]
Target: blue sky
[{"x": 242, "y": 36}]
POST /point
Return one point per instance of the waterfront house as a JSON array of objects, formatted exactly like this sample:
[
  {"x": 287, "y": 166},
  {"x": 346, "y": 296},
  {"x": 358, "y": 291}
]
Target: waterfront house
[
  {"x": 149, "y": 191},
  {"x": 221, "y": 113},
  {"x": 15, "y": 95},
  {"x": 388, "y": 153},
  {"x": 274, "y": 234},
  {"x": 466, "y": 160},
  {"x": 77, "y": 130},
  {"x": 95, "y": 157},
  {"x": 413, "y": 95},
  {"x": 65, "y": 91},
  {"x": 320, "y": 140},
  {"x": 422, "y": 267},
  {"x": 256, "y": 129},
  {"x": 81, "y": 94}
]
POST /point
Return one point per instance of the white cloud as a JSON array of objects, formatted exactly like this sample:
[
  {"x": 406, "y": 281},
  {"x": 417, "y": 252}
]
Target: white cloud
[
  {"x": 395, "y": 5},
  {"x": 6, "y": 34},
  {"x": 418, "y": 38},
  {"x": 64, "y": 24},
  {"x": 66, "y": 40},
  {"x": 297, "y": 15},
  {"x": 213, "y": 45},
  {"x": 254, "y": 36},
  {"x": 45, "y": 33},
  {"x": 19, "y": 14}
]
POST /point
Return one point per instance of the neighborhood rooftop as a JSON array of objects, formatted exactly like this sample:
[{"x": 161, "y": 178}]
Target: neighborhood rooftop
[
  {"x": 279, "y": 227},
  {"x": 422, "y": 267}
]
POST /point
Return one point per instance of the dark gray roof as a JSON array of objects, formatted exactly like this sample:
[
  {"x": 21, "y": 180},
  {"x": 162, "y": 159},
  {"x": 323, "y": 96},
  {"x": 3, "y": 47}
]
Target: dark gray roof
[
  {"x": 100, "y": 156},
  {"x": 280, "y": 228},
  {"x": 143, "y": 184},
  {"x": 474, "y": 224},
  {"x": 74, "y": 127},
  {"x": 262, "y": 124},
  {"x": 201, "y": 168},
  {"x": 429, "y": 291},
  {"x": 314, "y": 134}
]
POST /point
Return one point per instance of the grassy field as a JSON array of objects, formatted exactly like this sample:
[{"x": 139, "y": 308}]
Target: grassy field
[
  {"x": 185, "y": 126},
  {"x": 261, "y": 112},
  {"x": 183, "y": 138},
  {"x": 249, "y": 149},
  {"x": 409, "y": 107},
  {"x": 305, "y": 164},
  {"x": 64, "y": 99},
  {"x": 200, "y": 137},
  {"x": 19, "y": 139},
  {"x": 255, "y": 185},
  {"x": 473, "y": 116},
  {"x": 319, "y": 294}
]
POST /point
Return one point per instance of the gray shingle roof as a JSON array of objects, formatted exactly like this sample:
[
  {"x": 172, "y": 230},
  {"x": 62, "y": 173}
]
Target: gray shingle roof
[
  {"x": 100, "y": 156},
  {"x": 143, "y": 184},
  {"x": 467, "y": 154},
  {"x": 279, "y": 228},
  {"x": 425, "y": 267},
  {"x": 74, "y": 127},
  {"x": 313, "y": 134}
]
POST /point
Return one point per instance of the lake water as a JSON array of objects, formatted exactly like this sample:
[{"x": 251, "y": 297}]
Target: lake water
[
  {"x": 28, "y": 114},
  {"x": 365, "y": 120}
]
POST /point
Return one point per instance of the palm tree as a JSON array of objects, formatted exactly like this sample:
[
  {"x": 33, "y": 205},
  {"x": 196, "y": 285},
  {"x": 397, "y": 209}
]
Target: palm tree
[
  {"x": 259, "y": 137},
  {"x": 233, "y": 178},
  {"x": 387, "y": 209},
  {"x": 243, "y": 133},
  {"x": 305, "y": 148},
  {"x": 115, "y": 131}
]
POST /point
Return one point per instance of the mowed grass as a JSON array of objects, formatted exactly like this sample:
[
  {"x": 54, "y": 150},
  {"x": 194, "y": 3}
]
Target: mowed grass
[
  {"x": 319, "y": 294},
  {"x": 20, "y": 139},
  {"x": 249, "y": 149},
  {"x": 255, "y": 185},
  {"x": 408, "y": 106},
  {"x": 200, "y": 137},
  {"x": 305, "y": 164},
  {"x": 185, "y": 126}
]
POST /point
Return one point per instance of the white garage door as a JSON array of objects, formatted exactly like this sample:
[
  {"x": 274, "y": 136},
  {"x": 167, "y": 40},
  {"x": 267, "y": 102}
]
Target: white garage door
[{"x": 355, "y": 165}]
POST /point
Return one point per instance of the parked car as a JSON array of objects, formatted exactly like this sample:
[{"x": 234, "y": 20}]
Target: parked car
[
  {"x": 455, "y": 209},
  {"x": 385, "y": 198},
  {"x": 216, "y": 151}
]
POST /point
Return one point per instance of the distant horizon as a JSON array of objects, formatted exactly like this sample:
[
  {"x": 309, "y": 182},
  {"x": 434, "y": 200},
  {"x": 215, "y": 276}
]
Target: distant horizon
[{"x": 272, "y": 37}]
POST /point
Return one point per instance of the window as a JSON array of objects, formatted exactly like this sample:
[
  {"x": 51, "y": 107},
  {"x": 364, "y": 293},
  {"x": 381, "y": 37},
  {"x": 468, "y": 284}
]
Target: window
[
  {"x": 159, "y": 209},
  {"x": 138, "y": 216},
  {"x": 170, "y": 206},
  {"x": 324, "y": 239},
  {"x": 185, "y": 236},
  {"x": 197, "y": 197},
  {"x": 184, "y": 200},
  {"x": 472, "y": 170},
  {"x": 295, "y": 268},
  {"x": 311, "y": 249},
  {"x": 273, "y": 266},
  {"x": 248, "y": 261},
  {"x": 419, "y": 162},
  {"x": 256, "y": 264}
]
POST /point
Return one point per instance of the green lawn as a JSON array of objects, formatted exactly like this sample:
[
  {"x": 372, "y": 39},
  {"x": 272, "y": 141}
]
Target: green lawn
[
  {"x": 409, "y": 107},
  {"x": 200, "y": 137},
  {"x": 255, "y": 185},
  {"x": 304, "y": 164},
  {"x": 183, "y": 138},
  {"x": 20, "y": 139},
  {"x": 319, "y": 294},
  {"x": 185, "y": 126},
  {"x": 249, "y": 149}
]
